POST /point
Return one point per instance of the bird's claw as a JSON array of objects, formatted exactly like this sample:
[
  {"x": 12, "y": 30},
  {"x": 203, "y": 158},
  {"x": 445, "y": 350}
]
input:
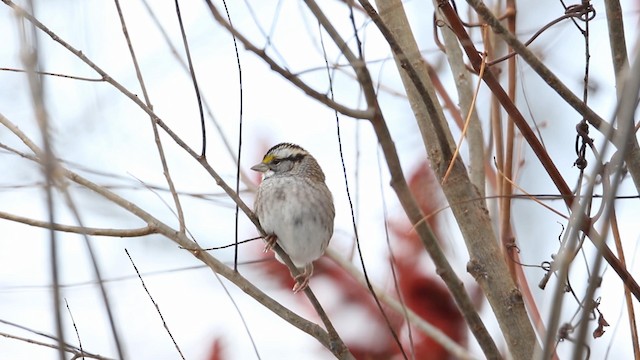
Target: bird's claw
[
  {"x": 270, "y": 242},
  {"x": 302, "y": 280}
]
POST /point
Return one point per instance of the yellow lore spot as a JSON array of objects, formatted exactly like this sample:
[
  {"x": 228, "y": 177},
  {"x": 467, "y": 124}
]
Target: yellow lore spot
[{"x": 268, "y": 158}]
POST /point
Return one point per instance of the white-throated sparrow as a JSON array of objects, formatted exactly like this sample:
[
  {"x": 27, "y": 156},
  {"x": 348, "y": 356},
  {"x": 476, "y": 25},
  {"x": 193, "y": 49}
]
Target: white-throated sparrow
[{"x": 294, "y": 206}]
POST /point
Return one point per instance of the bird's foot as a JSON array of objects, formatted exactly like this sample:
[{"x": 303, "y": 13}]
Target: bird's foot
[
  {"x": 270, "y": 242},
  {"x": 302, "y": 280}
]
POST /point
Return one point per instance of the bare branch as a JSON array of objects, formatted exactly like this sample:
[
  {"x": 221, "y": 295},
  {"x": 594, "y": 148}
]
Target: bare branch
[
  {"x": 632, "y": 156},
  {"x": 122, "y": 233},
  {"x": 356, "y": 114}
]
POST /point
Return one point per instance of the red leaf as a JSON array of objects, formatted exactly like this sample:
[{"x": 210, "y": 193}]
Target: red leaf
[
  {"x": 599, "y": 331},
  {"x": 431, "y": 300},
  {"x": 217, "y": 350},
  {"x": 428, "y": 193}
]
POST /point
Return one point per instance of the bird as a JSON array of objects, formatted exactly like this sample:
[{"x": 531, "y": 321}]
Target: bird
[{"x": 294, "y": 207}]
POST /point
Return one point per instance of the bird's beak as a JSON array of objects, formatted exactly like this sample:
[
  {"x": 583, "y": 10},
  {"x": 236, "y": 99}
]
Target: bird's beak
[{"x": 260, "y": 167}]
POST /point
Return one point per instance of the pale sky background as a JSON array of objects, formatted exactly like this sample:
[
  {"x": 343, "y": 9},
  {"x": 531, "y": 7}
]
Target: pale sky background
[{"x": 95, "y": 128}]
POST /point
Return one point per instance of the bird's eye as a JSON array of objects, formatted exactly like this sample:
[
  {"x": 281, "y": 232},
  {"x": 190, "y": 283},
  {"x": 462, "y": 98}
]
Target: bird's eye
[{"x": 276, "y": 161}]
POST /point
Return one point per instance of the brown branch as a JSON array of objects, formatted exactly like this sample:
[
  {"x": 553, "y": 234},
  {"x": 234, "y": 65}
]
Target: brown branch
[
  {"x": 77, "y": 353},
  {"x": 246, "y": 179},
  {"x": 547, "y": 75},
  {"x": 615, "y": 22},
  {"x": 408, "y": 202},
  {"x": 486, "y": 263},
  {"x": 625, "y": 115},
  {"x": 621, "y": 68},
  {"x": 55, "y": 74},
  {"x": 506, "y": 232},
  {"x": 527, "y": 133},
  {"x": 475, "y": 137},
  {"x": 632, "y": 156},
  {"x": 631, "y": 314},
  {"x": 29, "y": 47},
  {"x": 122, "y": 233},
  {"x": 493, "y": 83},
  {"x": 154, "y": 126},
  {"x": 324, "y": 99},
  {"x": 155, "y": 304}
]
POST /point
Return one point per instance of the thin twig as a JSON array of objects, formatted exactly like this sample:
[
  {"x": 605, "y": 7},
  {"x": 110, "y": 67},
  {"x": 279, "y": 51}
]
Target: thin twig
[
  {"x": 617, "y": 42},
  {"x": 506, "y": 232},
  {"x": 76, "y": 353},
  {"x": 194, "y": 79},
  {"x": 156, "y": 135},
  {"x": 164, "y": 323},
  {"x": 631, "y": 314},
  {"x": 390, "y": 327},
  {"x": 625, "y": 121},
  {"x": 466, "y": 122},
  {"x": 63, "y": 188},
  {"x": 30, "y": 59},
  {"x": 295, "y": 80},
  {"x": 632, "y": 156},
  {"x": 96, "y": 268},
  {"x": 246, "y": 179},
  {"x": 625, "y": 112},
  {"x": 66, "y": 347},
  {"x": 73, "y": 321},
  {"x": 121, "y": 233},
  {"x": 512, "y": 183},
  {"x": 478, "y": 171},
  {"x": 66, "y": 76},
  {"x": 535, "y": 144},
  {"x": 239, "y": 158},
  {"x": 393, "y": 261}
]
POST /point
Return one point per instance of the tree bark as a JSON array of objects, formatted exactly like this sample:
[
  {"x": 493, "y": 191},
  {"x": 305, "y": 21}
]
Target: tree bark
[{"x": 486, "y": 263}]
